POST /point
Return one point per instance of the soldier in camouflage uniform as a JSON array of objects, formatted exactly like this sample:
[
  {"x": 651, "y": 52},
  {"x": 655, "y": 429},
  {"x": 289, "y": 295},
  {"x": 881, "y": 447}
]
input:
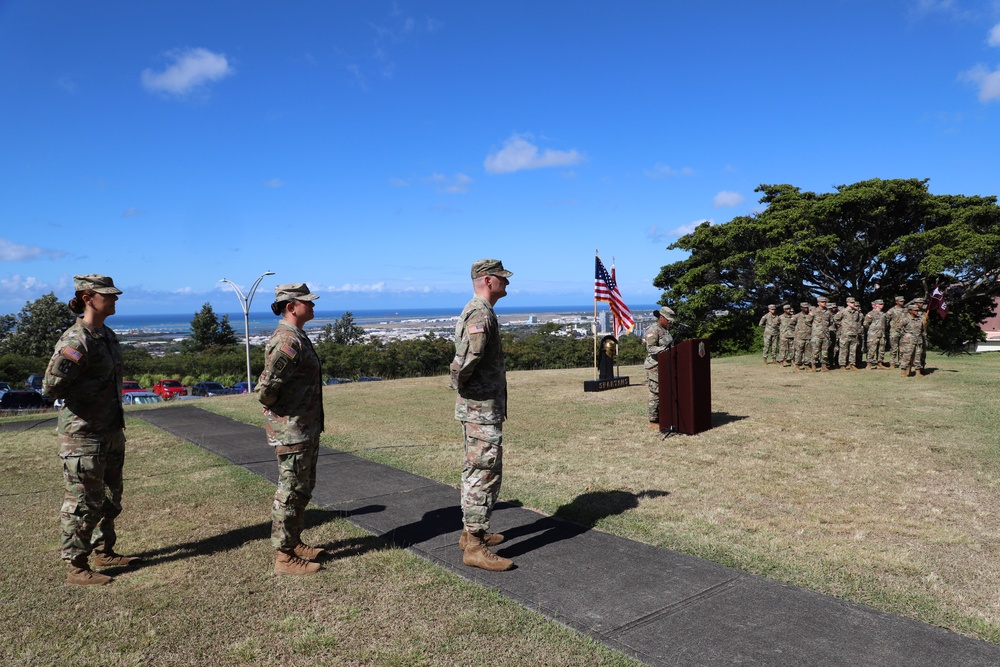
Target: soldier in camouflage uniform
[
  {"x": 850, "y": 330},
  {"x": 479, "y": 374},
  {"x": 771, "y": 323},
  {"x": 822, "y": 319},
  {"x": 86, "y": 372},
  {"x": 803, "y": 332},
  {"x": 658, "y": 339},
  {"x": 895, "y": 318},
  {"x": 833, "y": 352},
  {"x": 876, "y": 327},
  {"x": 786, "y": 332},
  {"x": 291, "y": 390},
  {"x": 911, "y": 340}
]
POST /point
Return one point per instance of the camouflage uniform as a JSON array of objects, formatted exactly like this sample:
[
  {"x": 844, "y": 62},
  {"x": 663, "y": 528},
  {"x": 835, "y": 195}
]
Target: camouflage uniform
[
  {"x": 803, "y": 332},
  {"x": 86, "y": 372},
  {"x": 895, "y": 318},
  {"x": 771, "y": 324},
  {"x": 911, "y": 341},
  {"x": 822, "y": 319},
  {"x": 786, "y": 332},
  {"x": 850, "y": 331},
  {"x": 291, "y": 390},
  {"x": 833, "y": 351},
  {"x": 876, "y": 327},
  {"x": 658, "y": 339},
  {"x": 479, "y": 374}
]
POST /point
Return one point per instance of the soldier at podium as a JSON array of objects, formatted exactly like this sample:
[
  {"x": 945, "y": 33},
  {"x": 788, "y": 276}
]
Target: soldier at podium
[{"x": 658, "y": 339}]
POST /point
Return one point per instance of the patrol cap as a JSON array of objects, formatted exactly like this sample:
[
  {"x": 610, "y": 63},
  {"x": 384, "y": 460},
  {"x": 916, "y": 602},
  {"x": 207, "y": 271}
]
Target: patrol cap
[
  {"x": 296, "y": 291},
  {"x": 900, "y": 298},
  {"x": 805, "y": 304},
  {"x": 851, "y": 299},
  {"x": 96, "y": 282},
  {"x": 878, "y": 302},
  {"x": 821, "y": 299},
  {"x": 489, "y": 267},
  {"x": 771, "y": 306},
  {"x": 920, "y": 299},
  {"x": 913, "y": 305},
  {"x": 786, "y": 306},
  {"x": 666, "y": 313}
]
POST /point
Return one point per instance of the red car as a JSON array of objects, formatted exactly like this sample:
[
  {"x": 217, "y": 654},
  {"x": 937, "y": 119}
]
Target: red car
[
  {"x": 169, "y": 388},
  {"x": 130, "y": 387}
]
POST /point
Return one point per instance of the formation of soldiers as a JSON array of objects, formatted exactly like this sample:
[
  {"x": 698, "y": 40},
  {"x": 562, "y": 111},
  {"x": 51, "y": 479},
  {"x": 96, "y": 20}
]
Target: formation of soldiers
[{"x": 825, "y": 336}]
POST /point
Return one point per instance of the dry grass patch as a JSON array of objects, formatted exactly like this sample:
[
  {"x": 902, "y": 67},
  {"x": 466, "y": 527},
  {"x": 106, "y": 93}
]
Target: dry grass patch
[{"x": 864, "y": 485}]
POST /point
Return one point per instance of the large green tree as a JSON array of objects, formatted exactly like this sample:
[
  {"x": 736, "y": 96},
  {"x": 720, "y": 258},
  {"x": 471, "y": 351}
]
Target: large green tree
[
  {"x": 208, "y": 331},
  {"x": 873, "y": 239},
  {"x": 34, "y": 331}
]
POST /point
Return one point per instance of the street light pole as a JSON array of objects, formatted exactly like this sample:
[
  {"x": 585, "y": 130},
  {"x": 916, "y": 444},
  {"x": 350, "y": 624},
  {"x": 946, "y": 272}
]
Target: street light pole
[{"x": 245, "y": 304}]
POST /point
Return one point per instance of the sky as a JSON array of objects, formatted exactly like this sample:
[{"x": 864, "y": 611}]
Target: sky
[{"x": 374, "y": 149}]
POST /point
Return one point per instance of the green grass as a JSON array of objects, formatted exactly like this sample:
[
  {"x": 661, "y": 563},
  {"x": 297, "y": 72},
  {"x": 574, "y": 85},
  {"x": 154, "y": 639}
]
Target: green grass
[
  {"x": 863, "y": 485},
  {"x": 207, "y": 595}
]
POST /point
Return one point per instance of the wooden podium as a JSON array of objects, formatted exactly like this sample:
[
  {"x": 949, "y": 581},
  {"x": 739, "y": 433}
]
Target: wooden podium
[{"x": 685, "y": 376}]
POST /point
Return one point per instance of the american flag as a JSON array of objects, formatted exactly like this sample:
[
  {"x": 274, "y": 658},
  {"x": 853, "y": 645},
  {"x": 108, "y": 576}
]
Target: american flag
[{"x": 606, "y": 289}]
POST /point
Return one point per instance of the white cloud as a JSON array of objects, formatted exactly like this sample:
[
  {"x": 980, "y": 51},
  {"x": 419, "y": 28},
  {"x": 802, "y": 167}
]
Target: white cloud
[
  {"x": 357, "y": 288},
  {"x": 15, "y": 252},
  {"x": 458, "y": 184},
  {"x": 660, "y": 170},
  {"x": 994, "y": 38},
  {"x": 130, "y": 212},
  {"x": 727, "y": 198},
  {"x": 656, "y": 235},
  {"x": 191, "y": 69},
  {"x": 274, "y": 183},
  {"x": 518, "y": 154},
  {"x": 399, "y": 183},
  {"x": 987, "y": 80}
]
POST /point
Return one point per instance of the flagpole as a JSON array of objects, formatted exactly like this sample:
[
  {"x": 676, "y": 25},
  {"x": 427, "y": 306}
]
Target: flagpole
[{"x": 593, "y": 325}]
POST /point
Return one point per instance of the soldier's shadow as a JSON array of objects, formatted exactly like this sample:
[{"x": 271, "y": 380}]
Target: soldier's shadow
[
  {"x": 572, "y": 519},
  {"x": 262, "y": 531}
]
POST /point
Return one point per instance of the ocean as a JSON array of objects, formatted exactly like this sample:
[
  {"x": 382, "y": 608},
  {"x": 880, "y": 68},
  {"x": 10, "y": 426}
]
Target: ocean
[{"x": 179, "y": 324}]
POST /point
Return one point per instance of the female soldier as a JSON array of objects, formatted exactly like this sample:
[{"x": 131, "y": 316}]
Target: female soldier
[
  {"x": 86, "y": 371},
  {"x": 291, "y": 391}
]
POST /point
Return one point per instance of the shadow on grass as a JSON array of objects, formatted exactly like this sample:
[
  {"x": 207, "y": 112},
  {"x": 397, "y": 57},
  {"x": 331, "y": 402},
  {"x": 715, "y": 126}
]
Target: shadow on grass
[
  {"x": 722, "y": 418},
  {"x": 572, "y": 519},
  {"x": 236, "y": 538}
]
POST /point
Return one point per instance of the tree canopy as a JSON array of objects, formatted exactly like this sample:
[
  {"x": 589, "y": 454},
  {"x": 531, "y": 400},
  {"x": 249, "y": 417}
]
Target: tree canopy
[
  {"x": 34, "y": 331},
  {"x": 873, "y": 239},
  {"x": 208, "y": 332}
]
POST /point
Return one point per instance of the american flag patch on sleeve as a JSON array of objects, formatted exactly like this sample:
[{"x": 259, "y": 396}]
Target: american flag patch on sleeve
[
  {"x": 288, "y": 351},
  {"x": 476, "y": 328},
  {"x": 72, "y": 353}
]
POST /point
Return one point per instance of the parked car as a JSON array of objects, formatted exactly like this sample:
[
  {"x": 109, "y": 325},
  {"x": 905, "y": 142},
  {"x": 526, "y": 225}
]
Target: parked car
[
  {"x": 4, "y": 388},
  {"x": 140, "y": 398},
  {"x": 131, "y": 386},
  {"x": 34, "y": 381},
  {"x": 368, "y": 378},
  {"x": 210, "y": 389},
  {"x": 241, "y": 387},
  {"x": 168, "y": 389},
  {"x": 21, "y": 399},
  {"x": 339, "y": 380}
]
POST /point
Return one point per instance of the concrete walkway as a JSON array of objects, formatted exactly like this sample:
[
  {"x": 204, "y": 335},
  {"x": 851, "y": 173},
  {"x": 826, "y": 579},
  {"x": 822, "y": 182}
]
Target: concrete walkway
[{"x": 659, "y": 606}]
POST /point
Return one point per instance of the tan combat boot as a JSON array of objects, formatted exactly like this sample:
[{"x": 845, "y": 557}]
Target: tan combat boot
[
  {"x": 104, "y": 559},
  {"x": 490, "y": 539},
  {"x": 477, "y": 555},
  {"x": 80, "y": 574},
  {"x": 286, "y": 562},
  {"x": 306, "y": 552}
]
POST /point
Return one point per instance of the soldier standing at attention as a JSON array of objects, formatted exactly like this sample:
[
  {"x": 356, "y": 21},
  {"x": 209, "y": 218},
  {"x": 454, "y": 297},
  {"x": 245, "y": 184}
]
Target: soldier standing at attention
[
  {"x": 786, "y": 331},
  {"x": 911, "y": 340},
  {"x": 480, "y": 376},
  {"x": 771, "y": 323},
  {"x": 803, "y": 331},
  {"x": 895, "y": 318},
  {"x": 833, "y": 355},
  {"x": 658, "y": 339},
  {"x": 875, "y": 334},
  {"x": 291, "y": 390},
  {"x": 822, "y": 319},
  {"x": 86, "y": 371},
  {"x": 850, "y": 334}
]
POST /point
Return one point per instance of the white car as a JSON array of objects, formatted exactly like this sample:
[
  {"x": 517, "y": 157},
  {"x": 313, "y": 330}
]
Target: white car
[{"x": 141, "y": 398}]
